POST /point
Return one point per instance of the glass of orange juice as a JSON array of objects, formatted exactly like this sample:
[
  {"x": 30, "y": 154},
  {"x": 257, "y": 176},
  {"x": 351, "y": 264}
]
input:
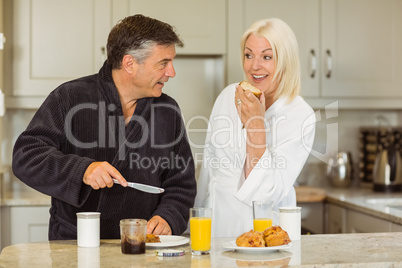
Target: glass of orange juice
[
  {"x": 200, "y": 230},
  {"x": 262, "y": 215}
]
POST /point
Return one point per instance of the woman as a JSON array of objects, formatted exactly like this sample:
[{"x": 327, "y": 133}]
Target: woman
[{"x": 256, "y": 148}]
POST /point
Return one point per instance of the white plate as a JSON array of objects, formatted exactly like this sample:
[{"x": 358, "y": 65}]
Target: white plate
[
  {"x": 169, "y": 241},
  {"x": 232, "y": 246}
]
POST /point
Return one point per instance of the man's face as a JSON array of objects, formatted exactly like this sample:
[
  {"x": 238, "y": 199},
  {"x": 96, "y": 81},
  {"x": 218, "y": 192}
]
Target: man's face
[{"x": 150, "y": 76}]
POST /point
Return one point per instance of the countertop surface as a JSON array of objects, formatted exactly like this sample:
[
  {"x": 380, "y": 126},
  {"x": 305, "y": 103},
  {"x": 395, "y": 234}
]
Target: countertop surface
[
  {"x": 340, "y": 250},
  {"x": 15, "y": 193},
  {"x": 25, "y": 197},
  {"x": 387, "y": 206}
]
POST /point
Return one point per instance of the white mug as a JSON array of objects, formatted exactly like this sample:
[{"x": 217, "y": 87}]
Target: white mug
[{"x": 290, "y": 221}]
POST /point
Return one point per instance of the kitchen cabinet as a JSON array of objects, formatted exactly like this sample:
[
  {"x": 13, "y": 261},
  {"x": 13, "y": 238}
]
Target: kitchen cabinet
[
  {"x": 1, "y": 45},
  {"x": 53, "y": 41},
  {"x": 357, "y": 222},
  {"x": 396, "y": 227},
  {"x": 344, "y": 220},
  {"x": 312, "y": 217},
  {"x": 302, "y": 17},
  {"x": 336, "y": 219},
  {"x": 23, "y": 224},
  {"x": 361, "y": 40},
  {"x": 348, "y": 49},
  {"x": 200, "y": 24}
]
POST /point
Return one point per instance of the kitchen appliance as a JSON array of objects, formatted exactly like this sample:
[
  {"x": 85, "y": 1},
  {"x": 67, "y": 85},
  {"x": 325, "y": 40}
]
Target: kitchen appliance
[
  {"x": 340, "y": 169},
  {"x": 387, "y": 172},
  {"x": 372, "y": 141}
]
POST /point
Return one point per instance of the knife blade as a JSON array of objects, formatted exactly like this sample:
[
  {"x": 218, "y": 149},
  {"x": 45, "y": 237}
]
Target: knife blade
[{"x": 143, "y": 187}]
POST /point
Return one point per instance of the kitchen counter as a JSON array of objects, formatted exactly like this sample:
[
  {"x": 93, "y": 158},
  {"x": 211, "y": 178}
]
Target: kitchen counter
[
  {"x": 387, "y": 206},
  {"x": 24, "y": 198},
  {"x": 16, "y": 193},
  {"x": 367, "y": 201},
  {"x": 341, "y": 250}
]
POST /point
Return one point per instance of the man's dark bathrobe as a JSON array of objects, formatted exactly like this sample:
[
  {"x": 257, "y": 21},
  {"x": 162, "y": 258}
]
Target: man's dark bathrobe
[{"x": 81, "y": 122}]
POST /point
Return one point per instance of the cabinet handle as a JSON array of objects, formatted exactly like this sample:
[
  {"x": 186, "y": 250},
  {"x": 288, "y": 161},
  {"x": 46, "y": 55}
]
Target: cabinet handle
[
  {"x": 329, "y": 64},
  {"x": 313, "y": 63},
  {"x": 2, "y": 41},
  {"x": 103, "y": 54}
]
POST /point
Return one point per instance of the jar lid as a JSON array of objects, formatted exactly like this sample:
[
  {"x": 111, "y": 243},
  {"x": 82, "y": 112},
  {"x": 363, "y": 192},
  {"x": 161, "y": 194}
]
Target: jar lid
[
  {"x": 170, "y": 252},
  {"x": 290, "y": 209},
  {"x": 88, "y": 215},
  {"x": 133, "y": 222}
]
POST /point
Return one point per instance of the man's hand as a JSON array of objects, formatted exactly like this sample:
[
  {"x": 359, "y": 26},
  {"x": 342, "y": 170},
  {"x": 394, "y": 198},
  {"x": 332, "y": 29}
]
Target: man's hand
[
  {"x": 101, "y": 174},
  {"x": 158, "y": 226}
]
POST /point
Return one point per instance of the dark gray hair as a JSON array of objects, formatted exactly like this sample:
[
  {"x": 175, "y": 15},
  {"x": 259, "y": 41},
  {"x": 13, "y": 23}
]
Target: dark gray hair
[{"x": 137, "y": 35}]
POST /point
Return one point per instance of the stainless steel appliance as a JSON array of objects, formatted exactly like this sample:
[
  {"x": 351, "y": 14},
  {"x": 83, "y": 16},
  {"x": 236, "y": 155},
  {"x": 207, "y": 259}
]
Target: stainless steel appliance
[
  {"x": 372, "y": 141},
  {"x": 340, "y": 170},
  {"x": 387, "y": 172}
]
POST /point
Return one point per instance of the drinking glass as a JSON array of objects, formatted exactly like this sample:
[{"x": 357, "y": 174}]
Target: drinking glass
[
  {"x": 262, "y": 215},
  {"x": 200, "y": 230}
]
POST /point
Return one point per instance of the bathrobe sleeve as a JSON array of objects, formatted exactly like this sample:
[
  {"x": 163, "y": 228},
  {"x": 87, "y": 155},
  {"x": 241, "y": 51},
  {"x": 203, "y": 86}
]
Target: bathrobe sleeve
[
  {"x": 291, "y": 139},
  {"x": 38, "y": 158}
]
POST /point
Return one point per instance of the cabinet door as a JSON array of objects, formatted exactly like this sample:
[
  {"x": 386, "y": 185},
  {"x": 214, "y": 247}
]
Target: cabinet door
[
  {"x": 1, "y": 45},
  {"x": 361, "y": 55},
  {"x": 396, "y": 227},
  {"x": 312, "y": 217},
  {"x": 301, "y": 16},
  {"x": 362, "y": 223},
  {"x": 200, "y": 24},
  {"x": 55, "y": 41},
  {"x": 24, "y": 224},
  {"x": 336, "y": 223}
]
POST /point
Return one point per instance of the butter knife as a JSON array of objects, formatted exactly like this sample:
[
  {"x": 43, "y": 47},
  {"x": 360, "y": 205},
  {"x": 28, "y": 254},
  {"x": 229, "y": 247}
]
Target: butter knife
[{"x": 143, "y": 187}]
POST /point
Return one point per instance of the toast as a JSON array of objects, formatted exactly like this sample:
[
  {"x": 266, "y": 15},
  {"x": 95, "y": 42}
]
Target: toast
[{"x": 247, "y": 86}]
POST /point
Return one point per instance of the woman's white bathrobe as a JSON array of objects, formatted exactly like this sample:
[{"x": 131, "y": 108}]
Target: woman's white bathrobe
[{"x": 222, "y": 185}]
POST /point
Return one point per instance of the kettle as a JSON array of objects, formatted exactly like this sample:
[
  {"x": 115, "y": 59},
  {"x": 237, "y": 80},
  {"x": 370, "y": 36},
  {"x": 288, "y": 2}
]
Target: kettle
[
  {"x": 387, "y": 171},
  {"x": 340, "y": 169}
]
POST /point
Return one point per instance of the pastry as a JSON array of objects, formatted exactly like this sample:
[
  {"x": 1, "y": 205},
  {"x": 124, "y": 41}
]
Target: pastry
[
  {"x": 250, "y": 239},
  {"x": 151, "y": 238},
  {"x": 275, "y": 236}
]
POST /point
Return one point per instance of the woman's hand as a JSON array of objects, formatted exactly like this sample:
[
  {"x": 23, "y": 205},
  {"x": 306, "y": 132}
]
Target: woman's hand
[{"x": 251, "y": 110}]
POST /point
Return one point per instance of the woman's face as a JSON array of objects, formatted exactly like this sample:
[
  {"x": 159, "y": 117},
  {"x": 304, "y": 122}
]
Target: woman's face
[{"x": 259, "y": 66}]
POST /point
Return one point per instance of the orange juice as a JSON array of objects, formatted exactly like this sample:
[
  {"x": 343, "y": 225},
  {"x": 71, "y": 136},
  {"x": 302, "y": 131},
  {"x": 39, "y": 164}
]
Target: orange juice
[
  {"x": 200, "y": 233},
  {"x": 261, "y": 224}
]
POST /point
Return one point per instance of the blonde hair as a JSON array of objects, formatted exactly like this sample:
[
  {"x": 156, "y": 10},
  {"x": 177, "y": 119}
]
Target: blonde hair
[{"x": 285, "y": 54}]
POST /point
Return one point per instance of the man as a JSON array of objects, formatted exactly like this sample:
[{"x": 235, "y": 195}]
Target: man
[{"x": 114, "y": 124}]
